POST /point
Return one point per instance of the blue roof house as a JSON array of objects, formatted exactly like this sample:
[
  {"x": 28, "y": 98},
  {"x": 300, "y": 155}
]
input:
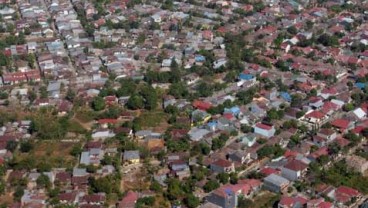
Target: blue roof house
[
  {"x": 286, "y": 96},
  {"x": 235, "y": 110},
  {"x": 212, "y": 125},
  {"x": 360, "y": 85},
  {"x": 243, "y": 76},
  {"x": 200, "y": 58}
]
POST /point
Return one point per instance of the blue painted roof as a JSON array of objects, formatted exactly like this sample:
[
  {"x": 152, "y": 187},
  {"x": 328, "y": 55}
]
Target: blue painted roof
[
  {"x": 286, "y": 96},
  {"x": 212, "y": 123},
  {"x": 200, "y": 58},
  {"x": 246, "y": 76},
  {"x": 235, "y": 110},
  {"x": 360, "y": 85}
]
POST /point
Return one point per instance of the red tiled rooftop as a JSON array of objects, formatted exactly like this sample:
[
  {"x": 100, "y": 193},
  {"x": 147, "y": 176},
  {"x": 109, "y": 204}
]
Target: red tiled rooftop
[
  {"x": 222, "y": 163},
  {"x": 296, "y": 165},
  {"x": 315, "y": 114},
  {"x": 107, "y": 121},
  {"x": 263, "y": 126},
  {"x": 268, "y": 171},
  {"x": 202, "y": 105},
  {"x": 340, "y": 123}
]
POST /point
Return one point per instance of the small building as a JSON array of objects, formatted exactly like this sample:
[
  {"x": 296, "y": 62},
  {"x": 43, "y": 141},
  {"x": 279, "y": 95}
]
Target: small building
[
  {"x": 294, "y": 170},
  {"x": 357, "y": 163},
  {"x": 264, "y": 130},
  {"x": 275, "y": 183},
  {"x": 131, "y": 156},
  {"x": 225, "y": 198},
  {"x": 222, "y": 166}
]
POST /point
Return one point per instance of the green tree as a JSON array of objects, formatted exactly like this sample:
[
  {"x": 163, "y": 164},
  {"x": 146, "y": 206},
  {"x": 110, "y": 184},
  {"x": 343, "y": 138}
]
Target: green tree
[
  {"x": 178, "y": 90},
  {"x": 26, "y": 146},
  {"x": 191, "y": 201},
  {"x": 135, "y": 102},
  {"x": 174, "y": 189},
  {"x": 98, "y": 103},
  {"x": 150, "y": 97},
  {"x": 223, "y": 178},
  {"x": 43, "y": 181},
  {"x": 43, "y": 92},
  {"x": 11, "y": 145},
  {"x": 70, "y": 95},
  {"x": 18, "y": 193},
  {"x": 210, "y": 186}
]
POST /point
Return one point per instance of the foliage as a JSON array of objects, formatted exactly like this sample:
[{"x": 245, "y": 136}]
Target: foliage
[
  {"x": 98, "y": 103},
  {"x": 219, "y": 142},
  {"x": 11, "y": 145},
  {"x": 48, "y": 126},
  {"x": 270, "y": 151},
  {"x": 191, "y": 201},
  {"x": 246, "y": 97},
  {"x": 178, "y": 90},
  {"x": 177, "y": 146},
  {"x": 340, "y": 175},
  {"x": 43, "y": 181},
  {"x": 145, "y": 201},
  {"x": 328, "y": 40},
  {"x": 174, "y": 189},
  {"x": 223, "y": 178},
  {"x": 210, "y": 186},
  {"x": 108, "y": 184},
  {"x": 18, "y": 193},
  {"x": 26, "y": 146}
]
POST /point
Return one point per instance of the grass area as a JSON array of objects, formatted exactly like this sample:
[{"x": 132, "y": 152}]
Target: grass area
[
  {"x": 152, "y": 119},
  {"x": 85, "y": 115},
  {"x": 341, "y": 175},
  {"x": 265, "y": 199},
  {"x": 76, "y": 127},
  {"x": 6, "y": 199},
  {"x": 47, "y": 154}
]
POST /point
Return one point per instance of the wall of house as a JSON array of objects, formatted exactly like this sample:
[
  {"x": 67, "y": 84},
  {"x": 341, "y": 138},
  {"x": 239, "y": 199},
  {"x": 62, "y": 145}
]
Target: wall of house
[
  {"x": 263, "y": 132},
  {"x": 271, "y": 187},
  {"x": 230, "y": 201},
  {"x": 290, "y": 174},
  {"x": 217, "y": 169}
]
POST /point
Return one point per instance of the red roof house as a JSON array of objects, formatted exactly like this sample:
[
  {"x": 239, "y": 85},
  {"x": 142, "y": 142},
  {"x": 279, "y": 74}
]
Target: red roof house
[{"x": 202, "y": 105}]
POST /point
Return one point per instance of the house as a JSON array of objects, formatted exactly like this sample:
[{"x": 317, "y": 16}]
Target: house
[
  {"x": 222, "y": 166},
  {"x": 69, "y": 198},
  {"x": 92, "y": 157},
  {"x": 129, "y": 200},
  {"x": 342, "y": 125},
  {"x": 324, "y": 136},
  {"x": 294, "y": 170},
  {"x": 314, "y": 119},
  {"x": 102, "y": 134},
  {"x": 275, "y": 183},
  {"x": 239, "y": 156},
  {"x": 223, "y": 197},
  {"x": 180, "y": 168},
  {"x": 249, "y": 140},
  {"x": 357, "y": 163},
  {"x": 264, "y": 130},
  {"x": 292, "y": 202},
  {"x": 93, "y": 199},
  {"x": 319, "y": 203},
  {"x": 131, "y": 156},
  {"x": 360, "y": 113},
  {"x": 344, "y": 195},
  {"x": 197, "y": 134},
  {"x": 53, "y": 89},
  {"x": 202, "y": 105},
  {"x": 200, "y": 117}
]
